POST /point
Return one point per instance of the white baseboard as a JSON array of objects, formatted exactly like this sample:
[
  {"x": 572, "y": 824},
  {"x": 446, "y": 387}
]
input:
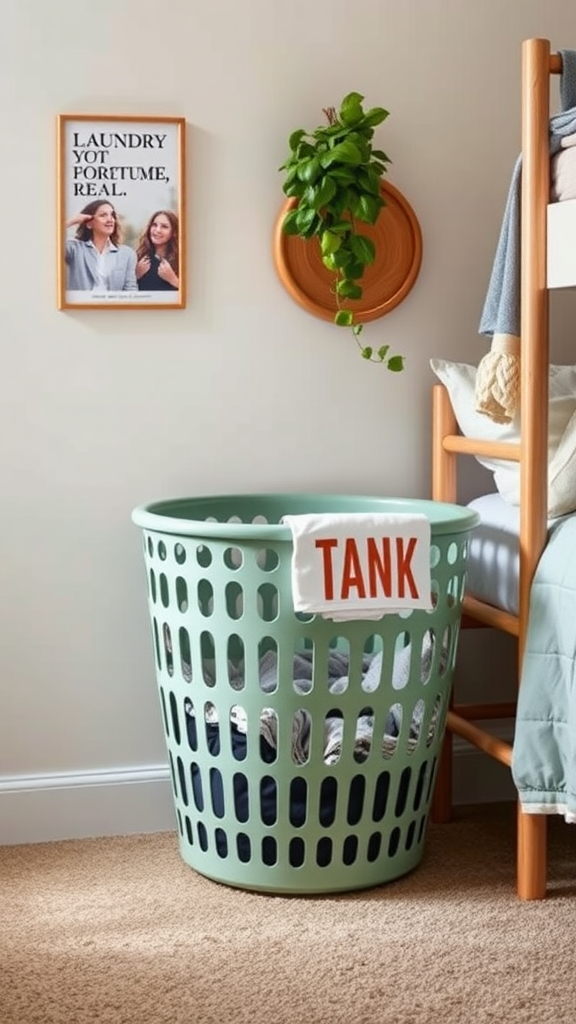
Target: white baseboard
[
  {"x": 46, "y": 808},
  {"x": 124, "y": 801}
]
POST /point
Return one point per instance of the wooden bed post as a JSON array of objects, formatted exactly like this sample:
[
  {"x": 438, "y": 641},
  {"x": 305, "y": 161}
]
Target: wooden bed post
[
  {"x": 536, "y": 67},
  {"x": 538, "y": 64}
]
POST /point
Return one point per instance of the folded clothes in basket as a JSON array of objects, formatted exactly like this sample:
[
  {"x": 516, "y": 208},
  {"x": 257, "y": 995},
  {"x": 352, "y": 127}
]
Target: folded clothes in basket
[
  {"x": 359, "y": 565},
  {"x": 338, "y": 681}
]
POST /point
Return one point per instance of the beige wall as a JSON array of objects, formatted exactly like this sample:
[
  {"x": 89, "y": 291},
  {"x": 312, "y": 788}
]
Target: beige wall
[{"x": 242, "y": 390}]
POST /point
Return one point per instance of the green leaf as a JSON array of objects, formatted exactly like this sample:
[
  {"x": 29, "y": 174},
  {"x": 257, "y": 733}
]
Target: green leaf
[
  {"x": 344, "y": 261},
  {"x": 363, "y": 248},
  {"x": 340, "y": 227},
  {"x": 308, "y": 169},
  {"x": 329, "y": 262},
  {"x": 304, "y": 218},
  {"x": 348, "y": 289},
  {"x": 351, "y": 111},
  {"x": 379, "y": 154},
  {"x": 289, "y": 224},
  {"x": 305, "y": 149},
  {"x": 329, "y": 243},
  {"x": 378, "y": 169},
  {"x": 367, "y": 352},
  {"x": 345, "y": 152},
  {"x": 329, "y": 131},
  {"x": 375, "y": 116},
  {"x": 344, "y": 318},
  {"x": 352, "y": 97},
  {"x": 343, "y": 175},
  {"x": 383, "y": 352},
  {"x": 396, "y": 364},
  {"x": 340, "y": 205},
  {"x": 295, "y": 137},
  {"x": 367, "y": 208},
  {"x": 294, "y": 189},
  {"x": 357, "y": 329},
  {"x": 357, "y": 139},
  {"x": 326, "y": 189},
  {"x": 369, "y": 179},
  {"x": 353, "y": 269},
  {"x": 290, "y": 173}
]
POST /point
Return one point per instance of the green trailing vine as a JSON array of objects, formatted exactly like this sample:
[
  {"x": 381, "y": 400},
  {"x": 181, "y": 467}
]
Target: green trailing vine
[{"x": 335, "y": 175}]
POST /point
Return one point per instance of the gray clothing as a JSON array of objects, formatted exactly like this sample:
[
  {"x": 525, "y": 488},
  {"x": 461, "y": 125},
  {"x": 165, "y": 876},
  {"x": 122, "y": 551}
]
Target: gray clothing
[
  {"x": 501, "y": 313},
  {"x": 83, "y": 269}
]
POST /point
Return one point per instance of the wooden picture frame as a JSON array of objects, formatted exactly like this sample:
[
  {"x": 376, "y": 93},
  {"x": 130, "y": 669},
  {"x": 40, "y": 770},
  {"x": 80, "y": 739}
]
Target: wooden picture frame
[{"x": 121, "y": 212}]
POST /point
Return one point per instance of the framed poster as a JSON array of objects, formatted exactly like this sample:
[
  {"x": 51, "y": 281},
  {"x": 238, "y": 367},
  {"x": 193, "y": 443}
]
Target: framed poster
[{"x": 121, "y": 212}]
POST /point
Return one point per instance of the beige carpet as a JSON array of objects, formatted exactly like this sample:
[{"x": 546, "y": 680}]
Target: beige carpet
[{"x": 121, "y": 931}]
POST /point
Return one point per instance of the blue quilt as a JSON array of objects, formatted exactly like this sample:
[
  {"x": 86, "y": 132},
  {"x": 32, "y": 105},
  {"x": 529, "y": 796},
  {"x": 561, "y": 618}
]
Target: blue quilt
[{"x": 544, "y": 750}]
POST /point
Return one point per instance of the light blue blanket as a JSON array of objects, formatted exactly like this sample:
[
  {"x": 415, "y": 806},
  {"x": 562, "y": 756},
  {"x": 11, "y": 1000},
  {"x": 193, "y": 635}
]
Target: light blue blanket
[
  {"x": 544, "y": 751},
  {"x": 501, "y": 313}
]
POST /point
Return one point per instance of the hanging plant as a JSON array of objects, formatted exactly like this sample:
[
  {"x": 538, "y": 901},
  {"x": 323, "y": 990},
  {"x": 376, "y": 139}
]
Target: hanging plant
[{"x": 335, "y": 175}]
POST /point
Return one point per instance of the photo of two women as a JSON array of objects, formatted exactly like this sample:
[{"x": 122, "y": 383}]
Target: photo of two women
[{"x": 99, "y": 257}]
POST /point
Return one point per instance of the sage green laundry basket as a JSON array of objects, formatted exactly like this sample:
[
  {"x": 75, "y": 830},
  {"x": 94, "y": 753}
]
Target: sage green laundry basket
[{"x": 302, "y": 751}]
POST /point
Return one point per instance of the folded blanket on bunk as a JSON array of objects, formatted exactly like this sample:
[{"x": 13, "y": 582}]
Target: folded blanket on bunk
[
  {"x": 563, "y": 171},
  {"x": 338, "y": 681},
  {"x": 544, "y": 750},
  {"x": 501, "y": 313}
]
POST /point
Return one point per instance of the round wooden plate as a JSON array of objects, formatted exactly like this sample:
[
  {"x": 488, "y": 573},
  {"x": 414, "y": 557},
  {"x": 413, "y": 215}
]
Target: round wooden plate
[{"x": 385, "y": 283}]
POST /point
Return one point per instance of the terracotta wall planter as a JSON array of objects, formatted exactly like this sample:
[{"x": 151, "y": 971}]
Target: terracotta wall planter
[{"x": 385, "y": 283}]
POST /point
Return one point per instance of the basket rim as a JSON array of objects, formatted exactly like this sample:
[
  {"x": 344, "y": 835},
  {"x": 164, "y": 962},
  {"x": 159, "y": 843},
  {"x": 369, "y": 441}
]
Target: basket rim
[{"x": 168, "y": 516}]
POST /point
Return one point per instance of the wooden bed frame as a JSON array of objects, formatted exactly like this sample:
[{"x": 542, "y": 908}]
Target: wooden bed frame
[{"x": 538, "y": 63}]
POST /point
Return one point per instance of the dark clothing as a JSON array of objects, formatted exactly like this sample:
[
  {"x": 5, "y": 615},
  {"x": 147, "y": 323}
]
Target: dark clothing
[{"x": 151, "y": 282}]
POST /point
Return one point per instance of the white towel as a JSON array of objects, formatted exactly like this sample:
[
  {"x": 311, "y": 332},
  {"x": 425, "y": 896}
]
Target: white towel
[{"x": 360, "y": 565}]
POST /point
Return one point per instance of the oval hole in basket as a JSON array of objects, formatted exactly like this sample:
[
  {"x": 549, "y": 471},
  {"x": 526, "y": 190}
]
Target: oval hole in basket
[
  {"x": 416, "y": 721},
  {"x": 268, "y": 735},
  {"x": 207, "y": 653},
  {"x": 234, "y": 600},
  {"x": 185, "y": 654},
  {"x": 203, "y": 556},
  {"x": 434, "y": 719},
  {"x": 303, "y": 668},
  {"x": 301, "y": 736},
  {"x": 392, "y": 730},
  {"x": 180, "y": 553},
  {"x": 333, "y": 735},
  {"x": 181, "y": 594},
  {"x": 167, "y": 636},
  {"x": 205, "y": 592},
  {"x": 267, "y": 602},
  {"x": 268, "y": 664},
  {"x": 235, "y": 661},
  {"x": 190, "y": 722},
  {"x": 267, "y": 559},
  {"x": 373, "y": 657},
  {"x": 402, "y": 660},
  {"x": 364, "y": 734},
  {"x": 238, "y": 732},
  {"x": 233, "y": 558}
]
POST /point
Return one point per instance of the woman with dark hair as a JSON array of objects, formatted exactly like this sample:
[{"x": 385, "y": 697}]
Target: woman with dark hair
[
  {"x": 95, "y": 258},
  {"x": 157, "y": 254}
]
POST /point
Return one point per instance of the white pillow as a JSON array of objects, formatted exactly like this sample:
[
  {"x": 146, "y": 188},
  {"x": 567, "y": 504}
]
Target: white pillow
[
  {"x": 563, "y": 175},
  {"x": 460, "y": 379}
]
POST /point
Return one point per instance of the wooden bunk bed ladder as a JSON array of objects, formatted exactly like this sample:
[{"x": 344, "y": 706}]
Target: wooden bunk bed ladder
[{"x": 532, "y": 454}]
